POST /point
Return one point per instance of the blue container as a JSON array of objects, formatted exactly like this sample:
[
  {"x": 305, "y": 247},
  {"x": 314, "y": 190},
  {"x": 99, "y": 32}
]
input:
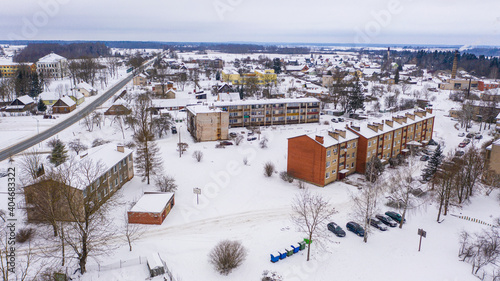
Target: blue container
[
  {"x": 275, "y": 257},
  {"x": 296, "y": 248},
  {"x": 283, "y": 254}
]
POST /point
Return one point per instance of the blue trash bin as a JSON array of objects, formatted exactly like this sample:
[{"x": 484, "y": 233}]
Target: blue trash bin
[
  {"x": 283, "y": 254},
  {"x": 275, "y": 257},
  {"x": 296, "y": 248}
]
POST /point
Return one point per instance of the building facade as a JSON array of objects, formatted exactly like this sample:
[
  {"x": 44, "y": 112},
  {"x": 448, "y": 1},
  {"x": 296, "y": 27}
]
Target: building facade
[
  {"x": 53, "y": 66},
  {"x": 493, "y": 156},
  {"x": 322, "y": 159},
  {"x": 271, "y": 112},
  {"x": 9, "y": 69},
  {"x": 389, "y": 138},
  {"x": 207, "y": 124},
  {"x": 152, "y": 208}
]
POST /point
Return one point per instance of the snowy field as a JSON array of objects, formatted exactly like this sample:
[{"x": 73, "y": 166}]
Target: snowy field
[{"x": 239, "y": 203}]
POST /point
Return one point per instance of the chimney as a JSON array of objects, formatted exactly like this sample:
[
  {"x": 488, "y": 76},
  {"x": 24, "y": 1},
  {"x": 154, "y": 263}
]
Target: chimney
[
  {"x": 389, "y": 123},
  {"x": 429, "y": 109},
  {"x": 379, "y": 125},
  {"x": 421, "y": 114},
  {"x": 320, "y": 139},
  {"x": 411, "y": 116},
  {"x": 120, "y": 148},
  {"x": 399, "y": 119},
  {"x": 334, "y": 135},
  {"x": 341, "y": 132},
  {"x": 455, "y": 64},
  {"x": 373, "y": 127}
]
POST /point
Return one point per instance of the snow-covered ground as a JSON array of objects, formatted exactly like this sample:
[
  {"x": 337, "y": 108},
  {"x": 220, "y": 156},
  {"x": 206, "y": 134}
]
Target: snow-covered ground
[{"x": 238, "y": 202}]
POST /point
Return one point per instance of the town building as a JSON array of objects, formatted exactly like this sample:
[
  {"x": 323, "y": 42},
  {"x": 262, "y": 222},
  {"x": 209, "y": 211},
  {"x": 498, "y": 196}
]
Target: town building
[
  {"x": 152, "y": 208},
  {"x": 493, "y": 156},
  {"x": 77, "y": 97},
  {"x": 9, "y": 68},
  {"x": 49, "y": 98},
  {"x": 52, "y": 66},
  {"x": 321, "y": 159},
  {"x": 115, "y": 168},
  {"x": 207, "y": 123},
  {"x": 140, "y": 80},
  {"x": 261, "y": 77},
  {"x": 391, "y": 137},
  {"x": 21, "y": 104},
  {"x": 270, "y": 112},
  {"x": 459, "y": 84},
  {"x": 85, "y": 89}
]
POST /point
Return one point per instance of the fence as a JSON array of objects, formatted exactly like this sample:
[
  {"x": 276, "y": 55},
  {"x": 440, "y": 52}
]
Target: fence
[{"x": 474, "y": 220}]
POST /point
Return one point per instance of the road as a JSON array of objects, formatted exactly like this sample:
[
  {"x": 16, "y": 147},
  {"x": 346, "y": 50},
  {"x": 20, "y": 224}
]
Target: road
[{"x": 21, "y": 146}]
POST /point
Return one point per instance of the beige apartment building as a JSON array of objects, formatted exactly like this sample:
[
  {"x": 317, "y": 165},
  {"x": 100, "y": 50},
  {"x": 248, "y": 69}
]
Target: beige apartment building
[{"x": 207, "y": 123}]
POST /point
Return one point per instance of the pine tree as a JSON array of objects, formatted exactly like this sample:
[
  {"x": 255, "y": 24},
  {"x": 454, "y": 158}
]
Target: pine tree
[
  {"x": 433, "y": 164},
  {"x": 36, "y": 87},
  {"x": 147, "y": 160},
  {"x": 277, "y": 65},
  {"x": 356, "y": 97},
  {"x": 217, "y": 75},
  {"x": 41, "y": 106},
  {"x": 59, "y": 153}
]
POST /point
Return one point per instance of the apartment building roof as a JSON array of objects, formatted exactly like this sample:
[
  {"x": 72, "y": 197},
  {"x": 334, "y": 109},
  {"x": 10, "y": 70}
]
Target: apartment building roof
[
  {"x": 51, "y": 58},
  {"x": 389, "y": 124},
  {"x": 327, "y": 139},
  {"x": 197, "y": 109},
  {"x": 265, "y": 101}
]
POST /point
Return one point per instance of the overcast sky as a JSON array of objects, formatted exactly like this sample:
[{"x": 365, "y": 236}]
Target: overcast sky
[{"x": 456, "y": 22}]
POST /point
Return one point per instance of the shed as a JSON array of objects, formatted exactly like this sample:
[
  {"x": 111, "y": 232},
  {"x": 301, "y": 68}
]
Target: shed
[
  {"x": 152, "y": 208},
  {"x": 155, "y": 265}
]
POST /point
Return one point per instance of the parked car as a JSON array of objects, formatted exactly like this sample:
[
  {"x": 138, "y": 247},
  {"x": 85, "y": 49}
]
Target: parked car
[
  {"x": 334, "y": 120},
  {"x": 467, "y": 141},
  {"x": 386, "y": 220},
  {"x": 377, "y": 224},
  {"x": 395, "y": 216},
  {"x": 226, "y": 143},
  {"x": 251, "y": 138},
  {"x": 478, "y": 137},
  {"x": 233, "y": 134},
  {"x": 462, "y": 144},
  {"x": 341, "y": 119},
  {"x": 459, "y": 153},
  {"x": 356, "y": 228},
  {"x": 424, "y": 158},
  {"x": 336, "y": 229},
  {"x": 470, "y": 135},
  {"x": 461, "y": 134},
  {"x": 173, "y": 129}
]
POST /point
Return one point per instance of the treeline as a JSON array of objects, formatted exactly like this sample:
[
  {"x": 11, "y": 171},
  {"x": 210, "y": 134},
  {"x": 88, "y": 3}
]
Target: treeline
[
  {"x": 443, "y": 60},
  {"x": 238, "y": 48},
  {"x": 35, "y": 51}
]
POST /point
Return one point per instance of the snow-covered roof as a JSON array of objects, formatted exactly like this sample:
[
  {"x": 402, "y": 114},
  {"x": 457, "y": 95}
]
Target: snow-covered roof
[
  {"x": 49, "y": 96},
  {"x": 68, "y": 101},
  {"x": 367, "y": 132},
  {"x": 154, "y": 261},
  {"x": 265, "y": 101},
  {"x": 25, "y": 99},
  {"x": 229, "y": 97},
  {"x": 153, "y": 202},
  {"x": 86, "y": 86},
  {"x": 77, "y": 95},
  {"x": 329, "y": 141},
  {"x": 195, "y": 109},
  {"x": 295, "y": 67},
  {"x": 158, "y": 103},
  {"x": 51, "y": 58}
]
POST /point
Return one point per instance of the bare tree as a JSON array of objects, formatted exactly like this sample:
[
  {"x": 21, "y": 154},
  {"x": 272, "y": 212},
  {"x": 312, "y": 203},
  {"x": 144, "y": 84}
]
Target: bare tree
[
  {"x": 227, "y": 255},
  {"x": 165, "y": 183},
  {"x": 182, "y": 147},
  {"x": 88, "y": 122},
  {"x": 263, "y": 142},
  {"x": 310, "y": 214},
  {"x": 132, "y": 232},
  {"x": 77, "y": 146},
  {"x": 198, "y": 155},
  {"x": 31, "y": 166}
]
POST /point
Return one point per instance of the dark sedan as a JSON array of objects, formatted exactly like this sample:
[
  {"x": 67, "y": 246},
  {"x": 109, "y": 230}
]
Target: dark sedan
[
  {"x": 386, "y": 220},
  {"x": 336, "y": 229},
  {"x": 395, "y": 216},
  {"x": 356, "y": 228},
  {"x": 377, "y": 224}
]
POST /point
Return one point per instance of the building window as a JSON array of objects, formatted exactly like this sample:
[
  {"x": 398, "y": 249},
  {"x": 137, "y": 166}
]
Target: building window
[
  {"x": 354, "y": 145},
  {"x": 328, "y": 153},
  {"x": 348, "y": 145},
  {"x": 352, "y": 165},
  {"x": 334, "y": 161},
  {"x": 114, "y": 169},
  {"x": 369, "y": 143},
  {"x": 334, "y": 171},
  {"x": 327, "y": 175},
  {"x": 354, "y": 153},
  {"x": 328, "y": 164},
  {"x": 116, "y": 182}
]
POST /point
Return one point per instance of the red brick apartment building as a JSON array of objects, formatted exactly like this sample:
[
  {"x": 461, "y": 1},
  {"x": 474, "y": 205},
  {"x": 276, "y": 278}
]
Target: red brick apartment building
[{"x": 322, "y": 159}]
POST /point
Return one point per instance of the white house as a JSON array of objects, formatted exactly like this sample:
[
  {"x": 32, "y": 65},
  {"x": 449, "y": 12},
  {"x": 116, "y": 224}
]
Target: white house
[
  {"x": 85, "y": 89},
  {"x": 53, "y": 66}
]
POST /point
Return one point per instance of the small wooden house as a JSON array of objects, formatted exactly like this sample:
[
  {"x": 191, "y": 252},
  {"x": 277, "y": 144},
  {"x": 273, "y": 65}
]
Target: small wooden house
[
  {"x": 64, "y": 105},
  {"x": 152, "y": 208},
  {"x": 118, "y": 109},
  {"x": 21, "y": 104}
]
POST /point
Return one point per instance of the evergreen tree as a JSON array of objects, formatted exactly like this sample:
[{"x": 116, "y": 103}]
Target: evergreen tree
[
  {"x": 59, "y": 153},
  {"x": 36, "y": 87},
  {"x": 277, "y": 65},
  {"x": 356, "y": 97},
  {"x": 41, "y": 106},
  {"x": 433, "y": 164},
  {"x": 374, "y": 169},
  {"x": 396, "y": 77},
  {"x": 240, "y": 90},
  {"x": 217, "y": 75}
]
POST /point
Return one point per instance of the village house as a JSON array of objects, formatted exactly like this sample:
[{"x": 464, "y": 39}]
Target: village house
[
  {"x": 115, "y": 169},
  {"x": 77, "y": 97},
  {"x": 140, "y": 80},
  {"x": 85, "y": 89},
  {"x": 64, "y": 105},
  {"x": 21, "y": 104},
  {"x": 49, "y": 98}
]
